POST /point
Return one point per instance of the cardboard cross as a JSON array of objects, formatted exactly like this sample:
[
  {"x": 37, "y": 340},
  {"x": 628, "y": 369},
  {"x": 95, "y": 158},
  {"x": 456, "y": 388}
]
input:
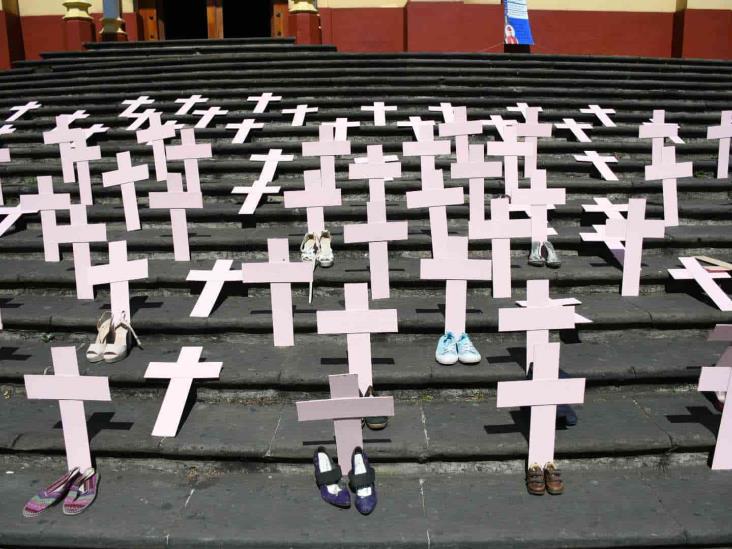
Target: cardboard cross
[
  {"x": 6, "y": 129},
  {"x": 723, "y": 132},
  {"x": 12, "y": 214},
  {"x": 340, "y": 128},
  {"x": 314, "y": 198},
  {"x": 79, "y": 154},
  {"x": 71, "y": 390},
  {"x": 20, "y": 110},
  {"x": 510, "y": 149},
  {"x": 461, "y": 129},
  {"x": 155, "y": 136},
  {"x": 134, "y": 104},
  {"x": 188, "y": 103},
  {"x": 577, "y": 129},
  {"x": 47, "y": 202},
  {"x": 611, "y": 211},
  {"x": 63, "y": 136},
  {"x": 500, "y": 124},
  {"x": 94, "y": 129},
  {"x": 346, "y": 409},
  {"x": 500, "y": 229},
  {"x": 416, "y": 123},
  {"x": 259, "y": 187},
  {"x": 181, "y": 374},
  {"x": 668, "y": 170},
  {"x": 539, "y": 314},
  {"x": 190, "y": 153},
  {"x": 425, "y": 146},
  {"x": 327, "y": 148},
  {"x": 446, "y": 110},
  {"x": 358, "y": 322},
  {"x": 125, "y": 176},
  {"x": 177, "y": 201},
  {"x": 538, "y": 199},
  {"x": 118, "y": 273},
  {"x": 379, "y": 108},
  {"x": 262, "y": 101},
  {"x": 207, "y": 115},
  {"x": 243, "y": 128},
  {"x": 693, "y": 270},
  {"x": 299, "y": 113},
  {"x": 543, "y": 393},
  {"x": 214, "y": 279},
  {"x": 141, "y": 118},
  {"x": 601, "y": 114},
  {"x": 4, "y": 157},
  {"x": 476, "y": 170},
  {"x": 531, "y": 129},
  {"x": 523, "y": 108},
  {"x": 280, "y": 273},
  {"x": 658, "y": 130},
  {"x": 600, "y": 162},
  {"x": 453, "y": 266}
]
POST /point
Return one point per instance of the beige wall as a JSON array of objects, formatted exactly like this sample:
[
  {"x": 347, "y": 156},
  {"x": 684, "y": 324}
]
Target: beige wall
[{"x": 55, "y": 7}]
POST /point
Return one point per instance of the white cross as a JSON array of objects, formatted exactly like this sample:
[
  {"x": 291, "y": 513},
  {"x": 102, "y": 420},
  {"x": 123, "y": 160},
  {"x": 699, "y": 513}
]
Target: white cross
[
  {"x": 668, "y": 170},
  {"x": 47, "y": 202},
  {"x": 271, "y": 160},
  {"x": 155, "y": 136},
  {"x": 658, "y": 130},
  {"x": 177, "y": 201},
  {"x": 80, "y": 154},
  {"x": 693, "y": 270},
  {"x": 340, "y": 128},
  {"x": 125, "y": 177},
  {"x": 188, "y": 103},
  {"x": 601, "y": 114},
  {"x": 299, "y": 113},
  {"x": 379, "y": 108},
  {"x": 476, "y": 170},
  {"x": 243, "y": 129},
  {"x": 426, "y": 147},
  {"x": 600, "y": 162},
  {"x": 416, "y": 123},
  {"x": 611, "y": 211},
  {"x": 133, "y": 105},
  {"x": 65, "y": 120},
  {"x": 538, "y": 198},
  {"x": 500, "y": 124},
  {"x": 314, "y": 198},
  {"x": 461, "y": 129},
  {"x": 327, "y": 147},
  {"x": 577, "y": 129},
  {"x": 141, "y": 118},
  {"x": 531, "y": 129},
  {"x": 95, "y": 129},
  {"x": 523, "y": 108},
  {"x": 63, "y": 136},
  {"x": 20, "y": 110},
  {"x": 118, "y": 273},
  {"x": 214, "y": 279},
  {"x": 190, "y": 153},
  {"x": 208, "y": 115},
  {"x": 6, "y": 129},
  {"x": 262, "y": 101},
  {"x": 723, "y": 132},
  {"x": 446, "y": 110},
  {"x": 259, "y": 187},
  {"x": 510, "y": 149}
]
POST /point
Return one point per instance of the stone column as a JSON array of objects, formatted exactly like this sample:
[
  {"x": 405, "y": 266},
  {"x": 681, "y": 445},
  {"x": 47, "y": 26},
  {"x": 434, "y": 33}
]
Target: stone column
[
  {"x": 78, "y": 25},
  {"x": 306, "y": 22},
  {"x": 112, "y": 22}
]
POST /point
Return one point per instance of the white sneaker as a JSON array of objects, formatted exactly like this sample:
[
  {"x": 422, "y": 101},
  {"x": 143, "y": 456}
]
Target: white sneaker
[
  {"x": 446, "y": 352},
  {"x": 309, "y": 247},
  {"x": 467, "y": 353},
  {"x": 325, "y": 252},
  {"x": 123, "y": 334}
]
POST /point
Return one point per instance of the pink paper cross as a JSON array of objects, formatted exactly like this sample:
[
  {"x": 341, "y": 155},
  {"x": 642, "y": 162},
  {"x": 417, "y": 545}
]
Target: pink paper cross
[
  {"x": 327, "y": 148},
  {"x": 510, "y": 149},
  {"x": 346, "y": 409},
  {"x": 299, "y": 113},
  {"x": 243, "y": 129},
  {"x": 280, "y": 273},
  {"x": 118, "y": 273},
  {"x": 539, "y": 199},
  {"x": 577, "y": 129},
  {"x": 71, "y": 390},
  {"x": 379, "y": 109},
  {"x": 190, "y": 152},
  {"x": 523, "y": 108},
  {"x": 262, "y": 101},
  {"x": 6, "y": 129},
  {"x": 601, "y": 114},
  {"x": 134, "y": 104},
  {"x": 214, "y": 279},
  {"x": 461, "y": 129},
  {"x": 63, "y": 136},
  {"x": 188, "y": 103},
  {"x": 543, "y": 393},
  {"x": 65, "y": 120},
  {"x": 693, "y": 270},
  {"x": 177, "y": 201},
  {"x": 181, "y": 374},
  {"x": 20, "y": 110},
  {"x": 4, "y": 157},
  {"x": 141, "y": 118},
  {"x": 476, "y": 170},
  {"x": 340, "y": 128},
  {"x": 723, "y": 132},
  {"x": 426, "y": 147},
  {"x": 259, "y": 187},
  {"x": 446, "y": 110},
  {"x": 611, "y": 211},
  {"x": 314, "y": 198},
  {"x": 79, "y": 154},
  {"x": 155, "y": 136},
  {"x": 600, "y": 162},
  {"x": 47, "y": 202},
  {"x": 668, "y": 170},
  {"x": 207, "y": 115},
  {"x": 500, "y": 124},
  {"x": 658, "y": 130},
  {"x": 125, "y": 176},
  {"x": 12, "y": 214},
  {"x": 91, "y": 131},
  {"x": 531, "y": 129},
  {"x": 416, "y": 123}
]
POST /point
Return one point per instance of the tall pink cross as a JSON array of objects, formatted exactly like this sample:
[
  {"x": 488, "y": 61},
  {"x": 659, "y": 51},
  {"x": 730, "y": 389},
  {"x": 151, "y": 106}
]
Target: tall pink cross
[
  {"x": 214, "y": 279},
  {"x": 4, "y": 157},
  {"x": 379, "y": 108},
  {"x": 313, "y": 198},
  {"x": 20, "y": 110},
  {"x": 346, "y": 408},
  {"x": 611, "y": 211},
  {"x": 80, "y": 155},
  {"x": 340, "y": 128},
  {"x": 475, "y": 169},
  {"x": 63, "y": 136},
  {"x": 134, "y": 104},
  {"x": 543, "y": 393},
  {"x": 299, "y": 113},
  {"x": 47, "y": 202},
  {"x": 538, "y": 199},
  {"x": 510, "y": 149},
  {"x": 461, "y": 129},
  {"x": 693, "y": 270},
  {"x": 187, "y": 103},
  {"x": 416, "y": 124},
  {"x": 260, "y": 186},
  {"x": 71, "y": 390},
  {"x": 155, "y": 136},
  {"x": 577, "y": 129},
  {"x": 497, "y": 121},
  {"x": 263, "y": 100},
  {"x": 141, "y": 118},
  {"x": 600, "y": 162},
  {"x": 207, "y": 116},
  {"x": 658, "y": 130},
  {"x": 523, "y": 108},
  {"x": 723, "y": 132},
  {"x": 531, "y": 130},
  {"x": 358, "y": 322},
  {"x": 280, "y": 273},
  {"x": 327, "y": 148},
  {"x": 181, "y": 373},
  {"x": 118, "y": 273},
  {"x": 65, "y": 120},
  {"x": 426, "y": 147},
  {"x": 601, "y": 114},
  {"x": 446, "y": 110},
  {"x": 500, "y": 229},
  {"x": 190, "y": 153},
  {"x": 177, "y": 201},
  {"x": 668, "y": 171},
  {"x": 125, "y": 176},
  {"x": 243, "y": 129}
]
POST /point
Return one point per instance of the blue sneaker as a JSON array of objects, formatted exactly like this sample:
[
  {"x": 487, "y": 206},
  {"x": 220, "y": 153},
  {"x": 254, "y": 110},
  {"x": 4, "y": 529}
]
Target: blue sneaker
[
  {"x": 467, "y": 353},
  {"x": 447, "y": 353}
]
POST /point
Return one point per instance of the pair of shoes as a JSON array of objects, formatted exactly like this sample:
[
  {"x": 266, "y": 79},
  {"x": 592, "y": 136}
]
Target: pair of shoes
[
  {"x": 316, "y": 247},
  {"x": 566, "y": 412},
  {"x": 361, "y": 481},
  {"x": 119, "y": 331},
  {"x": 450, "y": 350},
  {"x": 76, "y": 489},
  {"x": 548, "y": 479},
  {"x": 375, "y": 423},
  {"x": 543, "y": 253}
]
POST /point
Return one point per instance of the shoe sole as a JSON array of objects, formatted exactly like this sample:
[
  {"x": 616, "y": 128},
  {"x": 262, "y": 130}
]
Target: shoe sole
[
  {"x": 95, "y": 360},
  {"x": 115, "y": 360},
  {"x": 536, "y": 264},
  {"x": 553, "y": 265},
  {"x": 536, "y": 493},
  {"x": 325, "y": 265},
  {"x": 555, "y": 492},
  {"x": 446, "y": 363},
  {"x": 470, "y": 363},
  {"x": 376, "y": 426}
]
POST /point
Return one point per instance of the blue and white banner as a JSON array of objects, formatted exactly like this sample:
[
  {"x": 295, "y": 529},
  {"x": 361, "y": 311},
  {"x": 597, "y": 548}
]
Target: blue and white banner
[{"x": 517, "y": 29}]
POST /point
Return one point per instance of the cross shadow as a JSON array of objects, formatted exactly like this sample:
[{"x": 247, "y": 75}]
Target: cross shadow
[
  {"x": 5, "y": 303},
  {"x": 230, "y": 289},
  {"x": 188, "y": 407},
  {"x": 692, "y": 288},
  {"x": 343, "y": 361},
  {"x": 521, "y": 424},
  {"x": 441, "y": 310},
  {"x": 136, "y": 303},
  {"x": 332, "y": 441},
  {"x": 9, "y": 353},
  {"x": 101, "y": 421},
  {"x": 698, "y": 414}
]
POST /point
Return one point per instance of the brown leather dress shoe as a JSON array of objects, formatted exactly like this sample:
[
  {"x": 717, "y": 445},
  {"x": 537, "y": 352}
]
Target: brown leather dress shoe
[
  {"x": 553, "y": 479},
  {"x": 535, "y": 483}
]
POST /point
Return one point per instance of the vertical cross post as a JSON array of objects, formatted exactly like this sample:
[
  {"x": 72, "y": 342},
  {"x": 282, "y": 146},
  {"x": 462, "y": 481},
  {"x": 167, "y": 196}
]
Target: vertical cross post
[{"x": 47, "y": 202}]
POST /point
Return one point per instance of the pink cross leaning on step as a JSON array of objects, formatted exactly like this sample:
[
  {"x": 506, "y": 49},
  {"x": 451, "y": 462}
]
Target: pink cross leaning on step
[
  {"x": 340, "y": 128},
  {"x": 177, "y": 201},
  {"x": 263, "y": 100},
  {"x": 577, "y": 129},
  {"x": 141, "y": 118},
  {"x": 600, "y": 162},
  {"x": 79, "y": 155},
  {"x": 693, "y": 270},
  {"x": 461, "y": 129},
  {"x": 379, "y": 108},
  {"x": 497, "y": 121},
  {"x": 601, "y": 114},
  {"x": 243, "y": 129},
  {"x": 475, "y": 169},
  {"x": 207, "y": 116},
  {"x": 181, "y": 373},
  {"x": 658, "y": 130},
  {"x": 280, "y": 273},
  {"x": 723, "y": 132},
  {"x": 256, "y": 191},
  {"x": 125, "y": 177},
  {"x": 522, "y": 108},
  {"x": 190, "y": 153},
  {"x": 611, "y": 211},
  {"x": 63, "y": 136},
  {"x": 327, "y": 148},
  {"x": 299, "y": 113},
  {"x": 538, "y": 199},
  {"x": 214, "y": 279},
  {"x": 426, "y": 147},
  {"x": 4, "y": 157},
  {"x": 47, "y": 202},
  {"x": 446, "y": 110},
  {"x": 510, "y": 149},
  {"x": 313, "y": 198},
  {"x": 134, "y": 104},
  {"x": 542, "y": 393},
  {"x": 668, "y": 171},
  {"x": 415, "y": 123},
  {"x": 346, "y": 408},
  {"x": 531, "y": 130},
  {"x": 20, "y": 110},
  {"x": 6, "y": 129},
  {"x": 71, "y": 390},
  {"x": 118, "y": 273},
  {"x": 155, "y": 136},
  {"x": 187, "y": 103}
]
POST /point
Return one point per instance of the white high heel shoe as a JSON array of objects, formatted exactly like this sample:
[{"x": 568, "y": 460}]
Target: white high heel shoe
[
  {"x": 95, "y": 352},
  {"x": 325, "y": 252},
  {"x": 122, "y": 343}
]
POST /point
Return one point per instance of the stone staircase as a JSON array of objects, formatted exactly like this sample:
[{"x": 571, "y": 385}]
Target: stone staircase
[{"x": 450, "y": 464}]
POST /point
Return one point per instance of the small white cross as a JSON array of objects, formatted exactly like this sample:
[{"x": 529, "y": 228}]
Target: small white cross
[
  {"x": 133, "y": 105},
  {"x": 208, "y": 115},
  {"x": 578, "y": 129},
  {"x": 601, "y": 114},
  {"x": 379, "y": 109},
  {"x": 20, "y": 110},
  {"x": 446, "y": 110},
  {"x": 243, "y": 129},
  {"x": 262, "y": 101},
  {"x": 340, "y": 128},
  {"x": 188, "y": 103},
  {"x": 600, "y": 162},
  {"x": 299, "y": 113}
]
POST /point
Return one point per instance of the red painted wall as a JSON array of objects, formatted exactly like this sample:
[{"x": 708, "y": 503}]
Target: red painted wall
[
  {"x": 363, "y": 29},
  {"x": 708, "y": 34},
  {"x": 42, "y": 33},
  {"x": 447, "y": 26}
]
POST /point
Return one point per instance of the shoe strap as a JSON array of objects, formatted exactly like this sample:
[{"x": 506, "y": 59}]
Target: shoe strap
[
  {"x": 123, "y": 320},
  {"x": 325, "y": 478},
  {"x": 361, "y": 480}
]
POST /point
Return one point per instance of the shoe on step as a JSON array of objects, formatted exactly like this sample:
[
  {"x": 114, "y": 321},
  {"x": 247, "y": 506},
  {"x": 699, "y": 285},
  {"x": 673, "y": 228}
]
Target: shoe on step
[
  {"x": 95, "y": 351},
  {"x": 535, "y": 483},
  {"x": 535, "y": 257},
  {"x": 446, "y": 352},
  {"x": 553, "y": 479},
  {"x": 362, "y": 481},
  {"x": 552, "y": 259},
  {"x": 309, "y": 247},
  {"x": 122, "y": 334},
  {"x": 467, "y": 353},
  {"x": 50, "y": 496},
  {"x": 327, "y": 477},
  {"x": 325, "y": 251},
  {"x": 82, "y": 493},
  {"x": 375, "y": 423}
]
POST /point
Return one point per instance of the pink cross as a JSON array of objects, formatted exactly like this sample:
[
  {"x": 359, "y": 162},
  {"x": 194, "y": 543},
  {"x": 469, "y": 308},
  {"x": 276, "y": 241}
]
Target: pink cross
[
  {"x": 6, "y": 129},
  {"x": 271, "y": 160},
  {"x": 600, "y": 162},
  {"x": 500, "y": 124},
  {"x": 379, "y": 109},
  {"x": 118, "y": 273},
  {"x": 243, "y": 129},
  {"x": 416, "y": 123},
  {"x": 63, "y": 136},
  {"x": 461, "y": 129},
  {"x": 181, "y": 374},
  {"x": 543, "y": 393},
  {"x": 262, "y": 101},
  {"x": 601, "y": 114},
  {"x": 20, "y": 110},
  {"x": 658, "y": 130},
  {"x": 207, "y": 115},
  {"x": 280, "y": 274},
  {"x": 190, "y": 153},
  {"x": 376, "y": 168},
  {"x": 346, "y": 409},
  {"x": 125, "y": 176},
  {"x": 510, "y": 149},
  {"x": 65, "y": 120},
  {"x": 12, "y": 214},
  {"x": 523, "y": 108},
  {"x": 47, "y": 202},
  {"x": 358, "y": 322},
  {"x": 425, "y": 147},
  {"x": 577, "y": 129},
  {"x": 91, "y": 131},
  {"x": 668, "y": 170},
  {"x": 79, "y": 233},
  {"x": 340, "y": 128},
  {"x": 538, "y": 199},
  {"x": 299, "y": 113},
  {"x": 314, "y": 198},
  {"x": 141, "y": 118},
  {"x": 71, "y": 390},
  {"x": 134, "y": 104},
  {"x": 259, "y": 187},
  {"x": 693, "y": 270},
  {"x": 476, "y": 170},
  {"x": 155, "y": 136},
  {"x": 723, "y": 132},
  {"x": 611, "y": 211},
  {"x": 446, "y": 110},
  {"x": 79, "y": 154},
  {"x": 177, "y": 201},
  {"x": 188, "y": 103},
  {"x": 214, "y": 280},
  {"x": 4, "y": 157},
  {"x": 531, "y": 130},
  {"x": 500, "y": 229},
  {"x": 327, "y": 148}
]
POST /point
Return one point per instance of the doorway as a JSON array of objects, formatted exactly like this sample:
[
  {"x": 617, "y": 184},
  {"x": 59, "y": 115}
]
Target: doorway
[
  {"x": 247, "y": 18},
  {"x": 184, "y": 19}
]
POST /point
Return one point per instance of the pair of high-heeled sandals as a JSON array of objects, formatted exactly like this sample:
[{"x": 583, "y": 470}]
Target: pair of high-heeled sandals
[
  {"x": 316, "y": 247},
  {"x": 114, "y": 339},
  {"x": 361, "y": 481}
]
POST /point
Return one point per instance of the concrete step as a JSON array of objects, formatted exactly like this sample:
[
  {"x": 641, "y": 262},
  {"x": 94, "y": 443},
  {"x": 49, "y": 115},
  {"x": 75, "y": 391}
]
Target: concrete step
[{"x": 144, "y": 44}]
